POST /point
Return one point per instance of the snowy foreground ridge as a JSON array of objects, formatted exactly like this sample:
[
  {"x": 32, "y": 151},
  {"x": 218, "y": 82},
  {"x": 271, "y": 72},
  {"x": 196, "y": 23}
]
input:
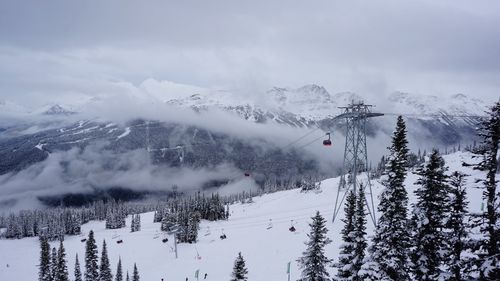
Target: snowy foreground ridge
[{"x": 266, "y": 251}]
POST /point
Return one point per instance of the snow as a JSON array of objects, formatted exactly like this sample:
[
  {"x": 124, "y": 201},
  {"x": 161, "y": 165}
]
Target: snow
[
  {"x": 266, "y": 251},
  {"x": 127, "y": 131},
  {"x": 85, "y": 131},
  {"x": 40, "y": 146}
]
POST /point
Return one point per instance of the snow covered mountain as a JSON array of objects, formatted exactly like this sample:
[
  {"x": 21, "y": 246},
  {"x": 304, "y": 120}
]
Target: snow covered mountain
[
  {"x": 251, "y": 141},
  {"x": 303, "y": 106},
  {"x": 313, "y": 103},
  {"x": 56, "y": 109},
  {"x": 266, "y": 251}
]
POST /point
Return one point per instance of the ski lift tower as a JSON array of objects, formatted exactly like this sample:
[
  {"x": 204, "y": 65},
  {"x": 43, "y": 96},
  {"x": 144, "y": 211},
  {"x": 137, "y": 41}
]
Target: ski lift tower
[{"x": 356, "y": 115}]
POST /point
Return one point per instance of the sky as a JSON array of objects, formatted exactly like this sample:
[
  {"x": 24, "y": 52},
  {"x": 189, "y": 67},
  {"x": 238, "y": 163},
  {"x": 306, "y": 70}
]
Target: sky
[{"x": 62, "y": 51}]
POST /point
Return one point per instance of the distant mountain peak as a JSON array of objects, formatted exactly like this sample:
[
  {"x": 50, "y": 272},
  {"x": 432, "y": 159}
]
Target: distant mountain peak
[{"x": 57, "y": 109}]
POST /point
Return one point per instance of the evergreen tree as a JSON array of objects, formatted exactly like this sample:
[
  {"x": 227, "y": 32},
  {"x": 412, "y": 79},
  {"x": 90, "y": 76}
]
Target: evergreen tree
[
  {"x": 359, "y": 235},
  {"x": 53, "y": 265},
  {"x": 132, "y": 224},
  {"x": 193, "y": 226},
  {"x": 168, "y": 222},
  {"x": 457, "y": 237},
  {"x": 239, "y": 270},
  {"x": 345, "y": 270},
  {"x": 428, "y": 220},
  {"x": 313, "y": 262},
  {"x": 489, "y": 244},
  {"x": 105, "y": 269},
  {"x": 62, "y": 268},
  {"x": 91, "y": 265},
  {"x": 128, "y": 278},
  {"x": 78, "y": 273},
  {"x": 135, "y": 225},
  {"x": 119, "y": 274},
  {"x": 44, "y": 266},
  {"x": 135, "y": 275},
  {"x": 138, "y": 222},
  {"x": 388, "y": 254}
]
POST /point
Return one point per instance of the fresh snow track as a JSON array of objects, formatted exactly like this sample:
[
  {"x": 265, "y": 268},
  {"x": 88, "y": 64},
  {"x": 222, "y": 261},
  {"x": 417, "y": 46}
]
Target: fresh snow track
[{"x": 266, "y": 251}]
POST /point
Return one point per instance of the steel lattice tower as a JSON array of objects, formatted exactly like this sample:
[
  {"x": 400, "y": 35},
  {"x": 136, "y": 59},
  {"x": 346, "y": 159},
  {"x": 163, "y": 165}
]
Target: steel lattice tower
[{"x": 356, "y": 156}]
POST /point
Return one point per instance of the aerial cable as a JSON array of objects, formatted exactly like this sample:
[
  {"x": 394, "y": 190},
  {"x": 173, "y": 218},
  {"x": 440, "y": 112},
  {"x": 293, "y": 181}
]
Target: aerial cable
[
  {"x": 313, "y": 141},
  {"x": 432, "y": 115}
]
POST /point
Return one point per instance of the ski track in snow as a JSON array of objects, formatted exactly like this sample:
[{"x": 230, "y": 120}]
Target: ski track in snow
[
  {"x": 127, "y": 131},
  {"x": 266, "y": 251}
]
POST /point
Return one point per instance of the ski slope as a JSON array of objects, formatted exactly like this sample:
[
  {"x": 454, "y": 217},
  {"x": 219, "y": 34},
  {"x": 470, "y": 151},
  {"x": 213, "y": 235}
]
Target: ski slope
[{"x": 266, "y": 251}]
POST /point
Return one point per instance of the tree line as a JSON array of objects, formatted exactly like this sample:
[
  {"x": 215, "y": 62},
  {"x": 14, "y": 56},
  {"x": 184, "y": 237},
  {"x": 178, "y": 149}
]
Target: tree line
[{"x": 53, "y": 264}]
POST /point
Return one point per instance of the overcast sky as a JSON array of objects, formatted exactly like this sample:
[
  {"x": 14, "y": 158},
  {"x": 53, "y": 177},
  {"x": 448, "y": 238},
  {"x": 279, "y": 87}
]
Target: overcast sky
[{"x": 60, "y": 51}]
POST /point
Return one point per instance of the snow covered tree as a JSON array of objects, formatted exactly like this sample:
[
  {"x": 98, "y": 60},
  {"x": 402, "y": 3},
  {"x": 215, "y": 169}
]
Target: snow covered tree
[
  {"x": 128, "y": 278},
  {"x": 359, "y": 235},
  {"x": 429, "y": 213},
  {"x": 119, "y": 274},
  {"x": 135, "y": 275},
  {"x": 489, "y": 252},
  {"x": 44, "y": 266},
  {"x": 169, "y": 222},
  {"x": 308, "y": 183},
  {"x": 53, "y": 265},
  {"x": 105, "y": 269},
  {"x": 193, "y": 226},
  {"x": 138, "y": 222},
  {"x": 457, "y": 237},
  {"x": 135, "y": 225},
  {"x": 91, "y": 265},
  {"x": 188, "y": 223},
  {"x": 239, "y": 270},
  {"x": 389, "y": 253},
  {"x": 313, "y": 262},
  {"x": 62, "y": 268},
  {"x": 345, "y": 270},
  {"x": 132, "y": 224},
  {"x": 78, "y": 272}
]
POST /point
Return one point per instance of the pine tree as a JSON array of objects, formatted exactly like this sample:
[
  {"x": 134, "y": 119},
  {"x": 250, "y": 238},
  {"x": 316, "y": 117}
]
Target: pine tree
[
  {"x": 345, "y": 270},
  {"x": 119, "y": 274},
  {"x": 359, "y": 235},
  {"x": 132, "y": 224},
  {"x": 193, "y": 226},
  {"x": 53, "y": 265},
  {"x": 457, "y": 238},
  {"x": 135, "y": 275},
  {"x": 91, "y": 265},
  {"x": 78, "y": 273},
  {"x": 313, "y": 262},
  {"x": 428, "y": 220},
  {"x": 388, "y": 254},
  {"x": 44, "y": 266},
  {"x": 489, "y": 252},
  {"x": 62, "y": 268},
  {"x": 137, "y": 222},
  {"x": 128, "y": 278},
  {"x": 239, "y": 270},
  {"x": 105, "y": 269}
]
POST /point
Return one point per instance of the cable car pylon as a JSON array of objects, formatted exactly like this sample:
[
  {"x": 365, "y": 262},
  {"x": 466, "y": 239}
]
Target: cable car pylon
[{"x": 355, "y": 162}]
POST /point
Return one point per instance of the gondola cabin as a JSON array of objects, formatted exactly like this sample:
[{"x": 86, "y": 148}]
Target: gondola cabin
[{"x": 327, "y": 142}]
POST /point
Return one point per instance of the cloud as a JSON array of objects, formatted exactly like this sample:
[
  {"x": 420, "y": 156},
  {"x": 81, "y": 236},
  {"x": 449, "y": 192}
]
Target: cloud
[
  {"x": 97, "y": 168},
  {"x": 63, "y": 51}
]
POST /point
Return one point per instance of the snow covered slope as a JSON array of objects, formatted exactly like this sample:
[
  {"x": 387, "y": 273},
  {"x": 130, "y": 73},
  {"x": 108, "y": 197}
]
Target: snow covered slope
[{"x": 266, "y": 251}]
